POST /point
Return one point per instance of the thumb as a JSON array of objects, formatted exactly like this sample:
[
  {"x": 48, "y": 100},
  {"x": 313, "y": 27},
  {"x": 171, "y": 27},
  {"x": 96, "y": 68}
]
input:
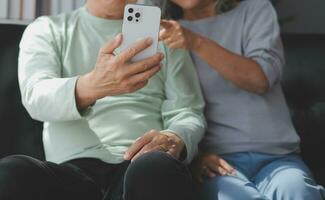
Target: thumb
[{"x": 111, "y": 45}]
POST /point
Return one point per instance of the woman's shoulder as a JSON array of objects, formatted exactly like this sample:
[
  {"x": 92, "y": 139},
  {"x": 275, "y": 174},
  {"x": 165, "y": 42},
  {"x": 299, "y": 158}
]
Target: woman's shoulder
[
  {"x": 255, "y": 5},
  {"x": 247, "y": 8},
  {"x": 252, "y": 10}
]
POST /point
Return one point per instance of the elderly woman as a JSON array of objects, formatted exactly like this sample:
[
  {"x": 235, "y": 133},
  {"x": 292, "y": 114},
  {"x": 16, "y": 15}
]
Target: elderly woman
[{"x": 251, "y": 149}]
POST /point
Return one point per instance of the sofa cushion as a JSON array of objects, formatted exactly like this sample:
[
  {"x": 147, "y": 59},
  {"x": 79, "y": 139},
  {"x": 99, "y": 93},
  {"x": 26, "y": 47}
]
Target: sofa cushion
[
  {"x": 19, "y": 133},
  {"x": 304, "y": 87}
]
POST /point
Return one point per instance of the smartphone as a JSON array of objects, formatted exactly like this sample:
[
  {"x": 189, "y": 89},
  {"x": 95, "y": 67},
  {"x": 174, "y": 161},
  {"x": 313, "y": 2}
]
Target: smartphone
[{"x": 141, "y": 21}]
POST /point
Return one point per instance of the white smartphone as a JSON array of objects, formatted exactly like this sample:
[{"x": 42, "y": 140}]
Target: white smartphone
[{"x": 141, "y": 21}]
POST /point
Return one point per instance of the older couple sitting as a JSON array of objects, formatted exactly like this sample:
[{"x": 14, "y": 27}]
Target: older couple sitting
[{"x": 115, "y": 129}]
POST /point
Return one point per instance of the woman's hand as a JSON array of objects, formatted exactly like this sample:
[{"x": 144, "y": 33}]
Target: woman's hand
[
  {"x": 211, "y": 165},
  {"x": 177, "y": 37},
  {"x": 115, "y": 74}
]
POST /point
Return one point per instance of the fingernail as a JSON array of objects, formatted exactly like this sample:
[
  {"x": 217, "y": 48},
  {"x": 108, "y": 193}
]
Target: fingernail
[
  {"x": 149, "y": 40},
  {"x": 118, "y": 36}
]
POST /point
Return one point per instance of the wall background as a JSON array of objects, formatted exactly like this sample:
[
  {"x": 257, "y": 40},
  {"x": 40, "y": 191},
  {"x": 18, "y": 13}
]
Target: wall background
[
  {"x": 27, "y": 10},
  {"x": 308, "y": 16}
]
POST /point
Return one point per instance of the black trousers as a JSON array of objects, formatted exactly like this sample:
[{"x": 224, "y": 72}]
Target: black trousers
[{"x": 153, "y": 176}]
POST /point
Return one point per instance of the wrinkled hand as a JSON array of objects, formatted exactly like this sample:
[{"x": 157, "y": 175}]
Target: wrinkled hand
[
  {"x": 211, "y": 165},
  {"x": 177, "y": 37},
  {"x": 155, "y": 141},
  {"x": 116, "y": 74}
]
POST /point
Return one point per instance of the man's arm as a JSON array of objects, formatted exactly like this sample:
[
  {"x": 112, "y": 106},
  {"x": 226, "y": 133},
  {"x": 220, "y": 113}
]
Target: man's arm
[
  {"x": 49, "y": 97},
  {"x": 45, "y": 95},
  {"x": 182, "y": 111}
]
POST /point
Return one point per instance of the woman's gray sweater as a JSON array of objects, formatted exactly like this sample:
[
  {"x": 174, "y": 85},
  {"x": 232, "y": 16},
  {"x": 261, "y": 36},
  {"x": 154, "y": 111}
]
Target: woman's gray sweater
[{"x": 240, "y": 121}]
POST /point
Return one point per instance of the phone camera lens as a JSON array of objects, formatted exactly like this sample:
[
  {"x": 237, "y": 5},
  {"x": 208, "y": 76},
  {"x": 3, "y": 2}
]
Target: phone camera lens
[
  {"x": 130, "y": 18},
  {"x": 131, "y": 10},
  {"x": 137, "y": 15}
]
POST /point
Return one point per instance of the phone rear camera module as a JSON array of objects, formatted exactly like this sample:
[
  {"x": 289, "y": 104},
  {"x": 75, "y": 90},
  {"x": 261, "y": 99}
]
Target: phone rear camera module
[
  {"x": 137, "y": 15},
  {"x": 130, "y": 18},
  {"x": 130, "y": 10}
]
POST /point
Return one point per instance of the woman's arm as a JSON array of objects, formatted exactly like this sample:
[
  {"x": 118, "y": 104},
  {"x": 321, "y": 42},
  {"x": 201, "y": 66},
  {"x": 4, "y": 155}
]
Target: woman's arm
[
  {"x": 242, "y": 71},
  {"x": 258, "y": 68}
]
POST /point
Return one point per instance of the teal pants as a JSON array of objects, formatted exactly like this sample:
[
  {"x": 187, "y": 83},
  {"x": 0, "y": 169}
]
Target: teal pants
[{"x": 263, "y": 177}]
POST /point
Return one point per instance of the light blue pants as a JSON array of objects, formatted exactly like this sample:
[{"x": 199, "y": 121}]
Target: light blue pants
[{"x": 263, "y": 177}]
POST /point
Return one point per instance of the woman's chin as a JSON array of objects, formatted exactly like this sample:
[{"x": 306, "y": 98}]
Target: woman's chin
[{"x": 187, "y": 4}]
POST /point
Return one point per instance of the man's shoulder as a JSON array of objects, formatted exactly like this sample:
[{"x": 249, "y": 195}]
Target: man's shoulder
[
  {"x": 56, "y": 21},
  {"x": 49, "y": 28}
]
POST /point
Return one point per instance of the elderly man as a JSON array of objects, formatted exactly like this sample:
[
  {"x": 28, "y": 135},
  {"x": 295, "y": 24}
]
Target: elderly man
[{"x": 113, "y": 129}]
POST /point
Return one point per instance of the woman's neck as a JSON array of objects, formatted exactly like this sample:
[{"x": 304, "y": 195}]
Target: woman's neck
[{"x": 203, "y": 10}]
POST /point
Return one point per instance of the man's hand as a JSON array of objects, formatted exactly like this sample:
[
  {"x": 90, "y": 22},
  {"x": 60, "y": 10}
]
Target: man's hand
[
  {"x": 177, "y": 37},
  {"x": 211, "y": 165},
  {"x": 115, "y": 74},
  {"x": 155, "y": 141}
]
